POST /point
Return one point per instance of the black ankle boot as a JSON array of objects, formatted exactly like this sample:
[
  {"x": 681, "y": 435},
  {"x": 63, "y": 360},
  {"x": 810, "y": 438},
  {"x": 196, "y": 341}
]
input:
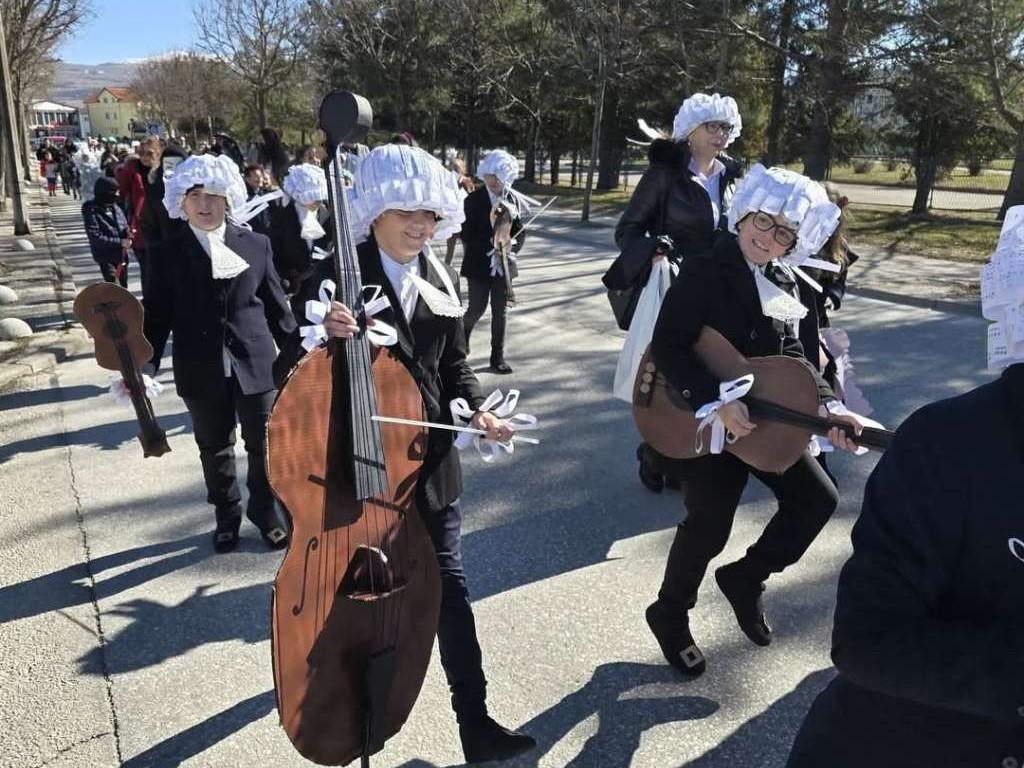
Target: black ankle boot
[
  {"x": 498, "y": 365},
  {"x": 653, "y": 482},
  {"x": 225, "y": 536},
  {"x": 484, "y": 740},
  {"x": 743, "y": 591},
  {"x": 672, "y": 631}
]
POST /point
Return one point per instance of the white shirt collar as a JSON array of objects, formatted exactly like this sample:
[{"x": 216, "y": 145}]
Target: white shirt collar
[
  {"x": 717, "y": 169},
  {"x": 404, "y": 288},
  {"x": 205, "y": 235}
]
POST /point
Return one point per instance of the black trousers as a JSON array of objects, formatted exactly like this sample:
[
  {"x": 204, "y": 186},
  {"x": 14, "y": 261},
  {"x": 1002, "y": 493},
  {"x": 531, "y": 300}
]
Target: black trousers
[
  {"x": 807, "y": 498},
  {"x": 109, "y": 272},
  {"x": 140, "y": 256},
  {"x": 456, "y": 630},
  {"x": 479, "y": 292},
  {"x": 213, "y": 424}
]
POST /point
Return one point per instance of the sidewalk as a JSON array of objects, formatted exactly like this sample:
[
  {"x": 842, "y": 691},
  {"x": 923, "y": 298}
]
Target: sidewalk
[
  {"x": 46, "y": 291},
  {"x": 946, "y": 286}
]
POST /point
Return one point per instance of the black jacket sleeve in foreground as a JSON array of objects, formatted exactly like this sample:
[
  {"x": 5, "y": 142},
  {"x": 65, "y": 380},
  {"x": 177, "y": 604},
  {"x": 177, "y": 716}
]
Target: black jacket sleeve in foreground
[{"x": 889, "y": 633}]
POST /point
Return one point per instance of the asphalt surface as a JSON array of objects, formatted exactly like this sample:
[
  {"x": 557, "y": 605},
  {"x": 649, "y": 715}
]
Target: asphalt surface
[{"x": 126, "y": 642}]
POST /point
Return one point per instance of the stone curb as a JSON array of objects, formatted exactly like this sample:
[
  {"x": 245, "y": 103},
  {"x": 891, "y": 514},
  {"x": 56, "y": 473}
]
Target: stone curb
[
  {"x": 44, "y": 350},
  {"x": 969, "y": 307}
]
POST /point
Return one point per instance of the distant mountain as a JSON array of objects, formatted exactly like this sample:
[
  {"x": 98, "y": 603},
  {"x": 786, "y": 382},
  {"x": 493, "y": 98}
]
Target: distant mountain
[{"x": 74, "y": 82}]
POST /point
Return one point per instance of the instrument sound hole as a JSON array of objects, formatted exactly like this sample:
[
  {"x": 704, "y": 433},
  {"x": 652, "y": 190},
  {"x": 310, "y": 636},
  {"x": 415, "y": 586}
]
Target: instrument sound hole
[{"x": 369, "y": 573}]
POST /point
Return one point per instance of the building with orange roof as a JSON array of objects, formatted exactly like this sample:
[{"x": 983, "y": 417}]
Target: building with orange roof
[{"x": 114, "y": 111}]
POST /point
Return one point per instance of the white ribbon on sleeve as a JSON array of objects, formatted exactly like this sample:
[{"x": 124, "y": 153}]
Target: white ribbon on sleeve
[
  {"x": 500, "y": 405},
  {"x": 121, "y": 394},
  {"x": 821, "y": 444},
  {"x": 380, "y": 333},
  {"x": 728, "y": 391},
  {"x": 496, "y": 269},
  {"x": 319, "y": 254}
]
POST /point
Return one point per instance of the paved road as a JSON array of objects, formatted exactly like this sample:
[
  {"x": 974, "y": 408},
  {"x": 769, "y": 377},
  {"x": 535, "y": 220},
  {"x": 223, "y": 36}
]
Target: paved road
[{"x": 564, "y": 550}]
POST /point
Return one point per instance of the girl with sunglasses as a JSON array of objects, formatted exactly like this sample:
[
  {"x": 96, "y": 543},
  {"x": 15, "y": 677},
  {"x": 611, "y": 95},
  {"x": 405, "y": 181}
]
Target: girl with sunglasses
[{"x": 744, "y": 288}]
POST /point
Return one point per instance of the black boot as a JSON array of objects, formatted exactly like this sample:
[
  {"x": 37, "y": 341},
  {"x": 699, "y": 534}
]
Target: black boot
[
  {"x": 672, "y": 631},
  {"x": 743, "y": 591},
  {"x": 225, "y": 536},
  {"x": 498, "y": 365},
  {"x": 653, "y": 481},
  {"x": 484, "y": 740},
  {"x": 273, "y": 529}
]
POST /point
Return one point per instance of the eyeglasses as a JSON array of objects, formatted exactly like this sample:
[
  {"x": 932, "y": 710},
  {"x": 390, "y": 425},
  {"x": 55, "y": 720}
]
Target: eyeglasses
[
  {"x": 782, "y": 235},
  {"x": 716, "y": 127}
]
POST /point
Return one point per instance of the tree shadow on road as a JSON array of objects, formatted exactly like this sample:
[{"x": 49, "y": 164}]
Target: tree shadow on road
[
  {"x": 69, "y": 586},
  {"x": 107, "y": 437},
  {"x": 34, "y": 397},
  {"x": 201, "y": 736},
  {"x": 158, "y": 632}
]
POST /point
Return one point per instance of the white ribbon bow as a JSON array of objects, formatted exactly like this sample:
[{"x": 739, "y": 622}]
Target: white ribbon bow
[
  {"x": 310, "y": 228},
  {"x": 496, "y": 269},
  {"x": 501, "y": 406},
  {"x": 728, "y": 391},
  {"x": 380, "y": 333},
  {"x": 319, "y": 254},
  {"x": 121, "y": 394}
]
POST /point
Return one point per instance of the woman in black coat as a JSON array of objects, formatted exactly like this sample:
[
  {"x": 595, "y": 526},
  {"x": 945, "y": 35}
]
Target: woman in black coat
[{"x": 684, "y": 194}]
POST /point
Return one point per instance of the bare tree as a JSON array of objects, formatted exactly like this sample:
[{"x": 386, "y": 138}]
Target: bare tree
[
  {"x": 1002, "y": 42},
  {"x": 34, "y": 28},
  {"x": 260, "y": 41}
]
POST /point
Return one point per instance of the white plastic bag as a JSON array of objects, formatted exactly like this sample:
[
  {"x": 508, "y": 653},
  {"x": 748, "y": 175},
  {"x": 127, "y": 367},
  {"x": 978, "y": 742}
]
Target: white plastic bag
[{"x": 641, "y": 329}]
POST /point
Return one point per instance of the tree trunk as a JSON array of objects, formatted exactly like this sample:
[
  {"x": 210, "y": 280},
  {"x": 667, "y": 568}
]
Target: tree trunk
[
  {"x": 555, "y": 158},
  {"x": 925, "y": 165},
  {"x": 612, "y": 141},
  {"x": 261, "y": 107},
  {"x": 818, "y": 157},
  {"x": 1015, "y": 191},
  {"x": 20, "y": 139},
  {"x": 724, "y": 50},
  {"x": 530, "y": 166},
  {"x": 574, "y": 172},
  {"x": 776, "y": 121},
  {"x": 595, "y": 136}
]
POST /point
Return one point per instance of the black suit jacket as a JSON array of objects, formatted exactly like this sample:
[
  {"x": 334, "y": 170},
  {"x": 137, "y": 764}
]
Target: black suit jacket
[
  {"x": 291, "y": 253},
  {"x": 478, "y": 236},
  {"x": 717, "y": 289},
  {"x": 247, "y": 313},
  {"x": 433, "y": 349}
]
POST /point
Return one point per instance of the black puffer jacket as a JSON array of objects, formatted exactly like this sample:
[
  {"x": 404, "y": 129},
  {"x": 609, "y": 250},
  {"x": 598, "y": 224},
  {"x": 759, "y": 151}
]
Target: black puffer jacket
[{"x": 668, "y": 185}]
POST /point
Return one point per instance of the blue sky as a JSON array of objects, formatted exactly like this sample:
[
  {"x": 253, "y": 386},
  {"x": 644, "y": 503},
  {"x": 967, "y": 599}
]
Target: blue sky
[{"x": 123, "y": 29}]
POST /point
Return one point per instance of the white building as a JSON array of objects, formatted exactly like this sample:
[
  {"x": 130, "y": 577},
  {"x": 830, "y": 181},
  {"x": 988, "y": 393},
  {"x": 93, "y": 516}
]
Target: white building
[{"x": 48, "y": 118}]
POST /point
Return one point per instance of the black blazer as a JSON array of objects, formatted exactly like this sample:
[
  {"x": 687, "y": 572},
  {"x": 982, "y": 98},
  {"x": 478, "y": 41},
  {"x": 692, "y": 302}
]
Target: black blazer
[
  {"x": 717, "y": 289},
  {"x": 927, "y": 637},
  {"x": 668, "y": 185},
  {"x": 247, "y": 313},
  {"x": 433, "y": 349},
  {"x": 291, "y": 253},
  {"x": 478, "y": 236}
]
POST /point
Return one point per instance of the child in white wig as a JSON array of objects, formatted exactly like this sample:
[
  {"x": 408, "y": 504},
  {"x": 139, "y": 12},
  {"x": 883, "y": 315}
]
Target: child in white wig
[
  {"x": 213, "y": 285},
  {"x": 745, "y": 289},
  {"x": 403, "y": 197}
]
